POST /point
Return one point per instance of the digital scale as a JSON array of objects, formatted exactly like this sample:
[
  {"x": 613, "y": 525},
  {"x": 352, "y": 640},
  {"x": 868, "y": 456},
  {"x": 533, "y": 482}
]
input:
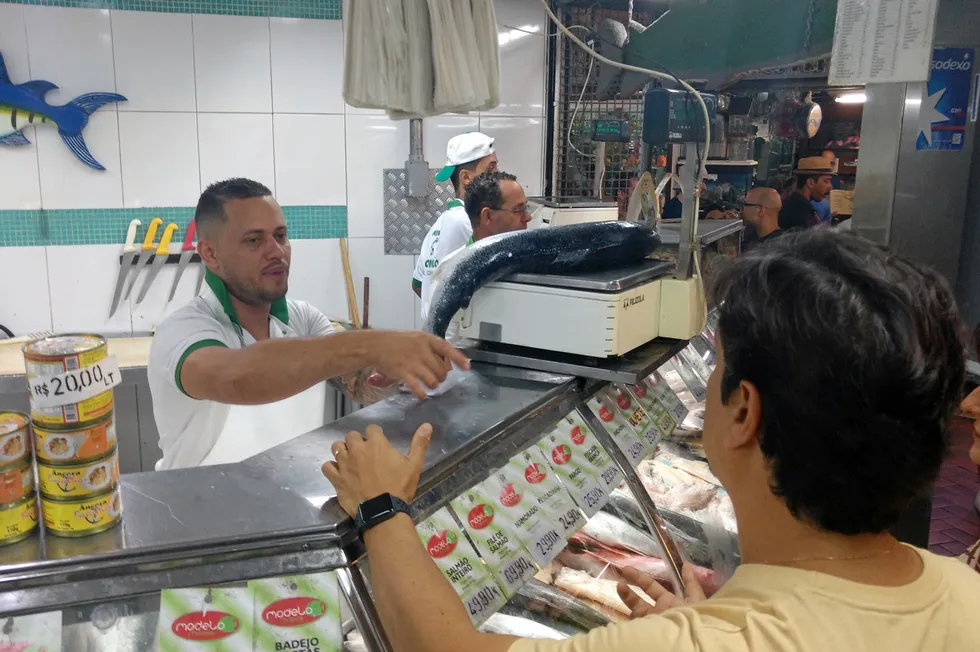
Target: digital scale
[{"x": 595, "y": 314}]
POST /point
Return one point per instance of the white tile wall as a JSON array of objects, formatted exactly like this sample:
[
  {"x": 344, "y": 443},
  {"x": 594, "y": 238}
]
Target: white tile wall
[{"x": 216, "y": 96}]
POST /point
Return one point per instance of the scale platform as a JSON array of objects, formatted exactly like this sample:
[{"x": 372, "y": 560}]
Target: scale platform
[{"x": 594, "y": 314}]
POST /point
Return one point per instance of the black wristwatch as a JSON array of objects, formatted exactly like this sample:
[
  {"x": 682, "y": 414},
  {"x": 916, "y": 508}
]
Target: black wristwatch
[{"x": 378, "y": 510}]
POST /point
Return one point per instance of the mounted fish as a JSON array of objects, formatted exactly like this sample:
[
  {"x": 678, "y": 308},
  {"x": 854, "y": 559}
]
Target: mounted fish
[
  {"x": 554, "y": 250},
  {"x": 22, "y": 105}
]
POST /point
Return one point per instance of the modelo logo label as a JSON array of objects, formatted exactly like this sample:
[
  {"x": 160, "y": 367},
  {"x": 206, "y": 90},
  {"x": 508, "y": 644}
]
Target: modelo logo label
[
  {"x": 533, "y": 473},
  {"x": 632, "y": 301},
  {"x": 293, "y": 612},
  {"x": 949, "y": 64},
  {"x": 606, "y": 414},
  {"x": 508, "y": 496},
  {"x": 210, "y": 626},
  {"x": 480, "y": 517},
  {"x": 640, "y": 390},
  {"x": 561, "y": 454},
  {"x": 441, "y": 544},
  {"x": 624, "y": 401},
  {"x": 578, "y": 436}
]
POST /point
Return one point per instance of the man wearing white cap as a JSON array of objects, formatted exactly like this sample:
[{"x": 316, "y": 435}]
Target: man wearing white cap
[{"x": 467, "y": 156}]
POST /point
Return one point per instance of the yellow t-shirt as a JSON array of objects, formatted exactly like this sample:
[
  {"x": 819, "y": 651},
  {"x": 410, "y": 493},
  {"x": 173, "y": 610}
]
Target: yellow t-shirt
[{"x": 777, "y": 609}]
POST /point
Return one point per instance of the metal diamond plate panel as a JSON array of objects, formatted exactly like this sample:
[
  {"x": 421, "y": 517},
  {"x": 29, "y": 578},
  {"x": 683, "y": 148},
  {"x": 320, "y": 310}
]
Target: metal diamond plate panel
[{"x": 407, "y": 219}]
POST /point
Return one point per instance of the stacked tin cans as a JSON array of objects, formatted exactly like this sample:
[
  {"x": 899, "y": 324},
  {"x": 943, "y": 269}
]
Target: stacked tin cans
[
  {"x": 18, "y": 495},
  {"x": 74, "y": 444}
]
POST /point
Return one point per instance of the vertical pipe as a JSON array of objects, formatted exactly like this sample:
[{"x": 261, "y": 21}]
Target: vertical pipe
[
  {"x": 689, "y": 217},
  {"x": 362, "y": 609},
  {"x": 415, "y": 140}
]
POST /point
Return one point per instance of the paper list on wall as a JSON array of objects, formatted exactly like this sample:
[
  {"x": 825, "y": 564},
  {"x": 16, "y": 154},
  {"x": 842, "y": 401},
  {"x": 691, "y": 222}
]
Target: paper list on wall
[{"x": 881, "y": 41}]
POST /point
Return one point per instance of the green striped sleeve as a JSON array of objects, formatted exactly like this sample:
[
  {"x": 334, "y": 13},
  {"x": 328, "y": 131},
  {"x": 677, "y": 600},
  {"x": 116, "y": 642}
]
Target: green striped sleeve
[{"x": 203, "y": 344}]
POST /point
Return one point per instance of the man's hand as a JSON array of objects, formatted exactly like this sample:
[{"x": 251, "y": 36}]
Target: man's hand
[
  {"x": 366, "y": 467},
  {"x": 417, "y": 359},
  {"x": 664, "y": 599}
]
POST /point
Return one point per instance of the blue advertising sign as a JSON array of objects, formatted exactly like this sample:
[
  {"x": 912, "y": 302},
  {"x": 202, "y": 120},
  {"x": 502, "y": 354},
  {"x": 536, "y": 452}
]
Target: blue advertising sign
[{"x": 946, "y": 103}]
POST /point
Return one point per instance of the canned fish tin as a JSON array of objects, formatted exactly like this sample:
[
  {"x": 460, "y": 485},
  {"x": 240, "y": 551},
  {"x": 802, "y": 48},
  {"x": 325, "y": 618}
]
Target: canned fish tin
[
  {"x": 82, "y": 517},
  {"x": 81, "y": 444},
  {"x": 16, "y": 482},
  {"x": 70, "y": 482},
  {"x": 51, "y": 356},
  {"x": 18, "y": 520},
  {"x": 15, "y": 440}
]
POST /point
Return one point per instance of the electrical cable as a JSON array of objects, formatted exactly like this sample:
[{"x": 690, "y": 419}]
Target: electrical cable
[
  {"x": 578, "y": 104},
  {"x": 701, "y": 171}
]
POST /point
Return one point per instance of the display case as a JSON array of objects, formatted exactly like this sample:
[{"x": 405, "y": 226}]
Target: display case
[{"x": 236, "y": 550}]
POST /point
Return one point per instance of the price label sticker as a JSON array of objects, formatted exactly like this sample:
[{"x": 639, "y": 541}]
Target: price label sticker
[
  {"x": 483, "y": 602},
  {"x": 544, "y": 542},
  {"x": 75, "y": 386},
  {"x": 697, "y": 363}
]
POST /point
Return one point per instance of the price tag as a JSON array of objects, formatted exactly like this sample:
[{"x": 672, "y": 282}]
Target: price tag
[
  {"x": 546, "y": 543},
  {"x": 690, "y": 379},
  {"x": 517, "y": 503},
  {"x": 697, "y": 363},
  {"x": 660, "y": 390},
  {"x": 484, "y": 601},
  {"x": 544, "y": 485},
  {"x": 75, "y": 386}
]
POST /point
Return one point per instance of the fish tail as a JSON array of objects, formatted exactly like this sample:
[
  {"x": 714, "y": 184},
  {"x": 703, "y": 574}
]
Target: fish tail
[
  {"x": 92, "y": 102},
  {"x": 77, "y": 145}
]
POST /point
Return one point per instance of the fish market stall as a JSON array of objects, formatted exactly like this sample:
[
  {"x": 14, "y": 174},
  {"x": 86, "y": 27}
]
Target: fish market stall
[{"x": 230, "y": 551}]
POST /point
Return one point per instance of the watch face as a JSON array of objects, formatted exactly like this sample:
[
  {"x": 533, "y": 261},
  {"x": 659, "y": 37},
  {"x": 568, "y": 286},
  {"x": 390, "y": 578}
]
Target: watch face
[{"x": 376, "y": 507}]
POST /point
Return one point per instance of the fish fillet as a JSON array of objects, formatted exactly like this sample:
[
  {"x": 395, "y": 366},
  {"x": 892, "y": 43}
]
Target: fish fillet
[{"x": 602, "y": 592}]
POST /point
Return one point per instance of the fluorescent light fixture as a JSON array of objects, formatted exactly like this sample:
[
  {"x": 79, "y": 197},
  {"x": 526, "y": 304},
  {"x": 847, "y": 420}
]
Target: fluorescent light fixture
[{"x": 852, "y": 98}]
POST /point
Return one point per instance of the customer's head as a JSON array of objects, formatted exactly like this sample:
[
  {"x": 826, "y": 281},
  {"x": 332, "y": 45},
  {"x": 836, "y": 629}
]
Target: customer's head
[
  {"x": 761, "y": 209},
  {"x": 839, "y": 364},
  {"x": 241, "y": 232},
  {"x": 467, "y": 156},
  {"x": 495, "y": 203},
  {"x": 971, "y": 406}
]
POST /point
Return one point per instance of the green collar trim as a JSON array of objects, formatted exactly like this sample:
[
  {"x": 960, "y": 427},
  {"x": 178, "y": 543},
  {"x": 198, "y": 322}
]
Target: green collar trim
[
  {"x": 470, "y": 241},
  {"x": 455, "y": 203},
  {"x": 279, "y": 309}
]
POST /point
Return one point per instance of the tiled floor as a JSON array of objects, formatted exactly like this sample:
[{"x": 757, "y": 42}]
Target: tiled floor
[{"x": 955, "y": 522}]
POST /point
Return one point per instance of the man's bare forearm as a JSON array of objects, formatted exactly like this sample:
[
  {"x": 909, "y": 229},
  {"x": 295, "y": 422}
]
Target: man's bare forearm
[
  {"x": 417, "y": 605},
  {"x": 273, "y": 370}
]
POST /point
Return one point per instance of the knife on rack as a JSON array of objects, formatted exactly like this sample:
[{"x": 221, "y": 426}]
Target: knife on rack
[
  {"x": 186, "y": 252},
  {"x": 145, "y": 253},
  {"x": 130, "y": 249},
  {"x": 159, "y": 260}
]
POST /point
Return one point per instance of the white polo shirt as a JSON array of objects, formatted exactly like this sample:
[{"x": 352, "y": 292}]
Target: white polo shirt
[
  {"x": 189, "y": 428},
  {"x": 450, "y": 232}
]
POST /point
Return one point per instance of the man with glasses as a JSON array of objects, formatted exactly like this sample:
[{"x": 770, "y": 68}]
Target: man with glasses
[
  {"x": 761, "y": 209},
  {"x": 495, "y": 204}
]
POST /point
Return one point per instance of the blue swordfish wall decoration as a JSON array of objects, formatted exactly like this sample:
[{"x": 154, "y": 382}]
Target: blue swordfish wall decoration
[{"x": 23, "y": 104}]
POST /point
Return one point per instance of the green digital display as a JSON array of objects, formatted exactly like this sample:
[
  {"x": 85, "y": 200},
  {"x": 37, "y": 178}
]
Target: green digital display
[{"x": 611, "y": 131}]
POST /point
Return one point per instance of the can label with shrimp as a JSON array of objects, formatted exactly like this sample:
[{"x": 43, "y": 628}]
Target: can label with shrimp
[
  {"x": 70, "y": 482},
  {"x": 55, "y": 355},
  {"x": 80, "y": 444},
  {"x": 82, "y": 517},
  {"x": 16, "y": 482},
  {"x": 15, "y": 440},
  {"x": 18, "y": 519}
]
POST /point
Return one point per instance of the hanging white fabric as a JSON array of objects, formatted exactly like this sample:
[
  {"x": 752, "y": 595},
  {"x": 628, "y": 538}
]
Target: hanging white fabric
[{"x": 417, "y": 58}]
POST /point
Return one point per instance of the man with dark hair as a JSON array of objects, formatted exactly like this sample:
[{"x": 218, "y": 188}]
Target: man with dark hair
[
  {"x": 813, "y": 183},
  {"x": 822, "y": 206},
  {"x": 838, "y": 365},
  {"x": 240, "y": 368},
  {"x": 495, "y": 203},
  {"x": 467, "y": 156}
]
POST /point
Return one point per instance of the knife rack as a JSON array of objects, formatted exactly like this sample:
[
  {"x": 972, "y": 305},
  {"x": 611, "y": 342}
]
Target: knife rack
[{"x": 172, "y": 259}]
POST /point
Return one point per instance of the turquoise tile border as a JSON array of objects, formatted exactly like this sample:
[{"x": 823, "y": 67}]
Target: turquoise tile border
[
  {"x": 322, "y": 9},
  {"x": 108, "y": 225}
]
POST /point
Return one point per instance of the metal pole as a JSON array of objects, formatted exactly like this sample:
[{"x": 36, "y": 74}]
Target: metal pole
[
  {"x": 689, "y": 217},
  {"x": 415, "y": 140},
  {"x": 649, "y": 510},
  {"x": 416, "y": 167},
  {"x": 365, "y": 616},
  {"x": 600, "y": 169}
]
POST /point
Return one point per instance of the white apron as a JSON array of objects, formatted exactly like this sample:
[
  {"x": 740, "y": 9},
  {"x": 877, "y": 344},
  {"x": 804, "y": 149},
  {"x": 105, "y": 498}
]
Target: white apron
[{"x": 253, "y": 429}]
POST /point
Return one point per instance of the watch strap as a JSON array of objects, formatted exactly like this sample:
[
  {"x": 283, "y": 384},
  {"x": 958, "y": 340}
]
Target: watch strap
[{"x": 365, "y": 522}]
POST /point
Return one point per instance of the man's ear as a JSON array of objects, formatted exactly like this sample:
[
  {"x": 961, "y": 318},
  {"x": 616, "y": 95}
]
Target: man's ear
[
  {"x": 745, "y": 410},
  {"x": 205, "y": 248},
  {"x": 486, "y": 215}
]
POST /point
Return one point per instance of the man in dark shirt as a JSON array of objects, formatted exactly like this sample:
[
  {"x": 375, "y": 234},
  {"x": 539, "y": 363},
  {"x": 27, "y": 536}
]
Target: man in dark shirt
[
  {"x": 813, "y": 183},
  {"x": 761, "y": 210}
]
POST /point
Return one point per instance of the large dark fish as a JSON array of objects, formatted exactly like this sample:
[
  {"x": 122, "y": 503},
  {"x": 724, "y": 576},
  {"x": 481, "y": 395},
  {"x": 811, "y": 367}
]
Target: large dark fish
[
  {"x": 552, "y": 250},
  {"x": 541, "y": 598}
]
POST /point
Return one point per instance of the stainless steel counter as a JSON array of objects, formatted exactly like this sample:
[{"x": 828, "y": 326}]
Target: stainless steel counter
[{"x": 273, "y": 514}]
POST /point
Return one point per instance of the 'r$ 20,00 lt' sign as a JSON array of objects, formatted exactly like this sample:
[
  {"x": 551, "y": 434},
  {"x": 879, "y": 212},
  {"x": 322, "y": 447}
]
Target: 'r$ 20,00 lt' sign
[{"x": 76, "y": 385}]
